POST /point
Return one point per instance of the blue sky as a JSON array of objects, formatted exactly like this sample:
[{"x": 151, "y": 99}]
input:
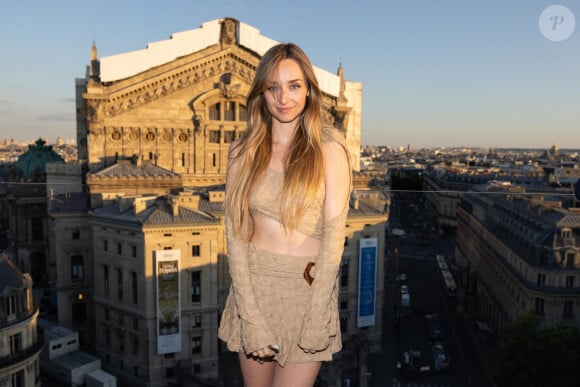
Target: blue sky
[{"x": 435, "y": 73}]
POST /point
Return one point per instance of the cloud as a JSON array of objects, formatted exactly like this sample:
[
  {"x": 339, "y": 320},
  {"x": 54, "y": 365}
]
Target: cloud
[{"x": 63, "y": 117}]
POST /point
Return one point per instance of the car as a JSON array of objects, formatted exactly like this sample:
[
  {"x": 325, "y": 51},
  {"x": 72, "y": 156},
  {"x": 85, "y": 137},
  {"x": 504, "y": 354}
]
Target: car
[
  {"x": 402, "y": 277},
  {"x": 404, "y": 289},
  {"x": 440, "y": 358}
]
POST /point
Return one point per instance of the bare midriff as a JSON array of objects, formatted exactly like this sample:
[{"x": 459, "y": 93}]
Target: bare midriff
[{"x": 270, "y": 236}]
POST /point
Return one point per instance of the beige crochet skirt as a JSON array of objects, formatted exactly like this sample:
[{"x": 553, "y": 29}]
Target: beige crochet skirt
[{"x": 282, "y": 295}]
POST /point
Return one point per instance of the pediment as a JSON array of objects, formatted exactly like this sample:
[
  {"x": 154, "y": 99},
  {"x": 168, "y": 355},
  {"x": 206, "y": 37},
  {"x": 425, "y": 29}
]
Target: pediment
[{"x": 204, "y": 71}]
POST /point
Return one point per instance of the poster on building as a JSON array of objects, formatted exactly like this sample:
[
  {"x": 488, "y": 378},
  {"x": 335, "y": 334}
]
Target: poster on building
[
  {"x": 168, "y": 301},
  {"x": 367, "y": 272}
]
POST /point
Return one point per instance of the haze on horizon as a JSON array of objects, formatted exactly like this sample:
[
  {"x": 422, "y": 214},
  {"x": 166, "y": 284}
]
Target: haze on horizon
[{"x": 444, "y": 74}]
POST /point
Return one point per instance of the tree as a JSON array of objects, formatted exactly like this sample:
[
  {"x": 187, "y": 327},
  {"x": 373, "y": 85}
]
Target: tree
[{"x": 530, "y": 356}]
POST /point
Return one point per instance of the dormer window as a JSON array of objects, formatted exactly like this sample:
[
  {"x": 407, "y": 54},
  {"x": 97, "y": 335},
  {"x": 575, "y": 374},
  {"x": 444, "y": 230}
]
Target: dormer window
[{"x": 566, "y": 233}]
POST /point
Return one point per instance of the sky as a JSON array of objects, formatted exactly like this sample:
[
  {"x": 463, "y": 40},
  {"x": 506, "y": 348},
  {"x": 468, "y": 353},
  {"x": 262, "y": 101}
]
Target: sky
[{"x": 435, "y": 73}]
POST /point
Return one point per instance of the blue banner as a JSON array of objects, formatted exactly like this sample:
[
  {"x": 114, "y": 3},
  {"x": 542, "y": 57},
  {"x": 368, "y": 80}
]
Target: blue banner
[{"x": 367, "y": 282}]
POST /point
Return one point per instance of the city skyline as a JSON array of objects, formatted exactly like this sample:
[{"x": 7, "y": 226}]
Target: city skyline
[{"x": 444, "y": 75}]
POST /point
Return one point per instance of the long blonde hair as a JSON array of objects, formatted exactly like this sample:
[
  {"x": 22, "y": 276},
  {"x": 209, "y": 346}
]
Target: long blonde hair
[{"x": 304, "y": 166}]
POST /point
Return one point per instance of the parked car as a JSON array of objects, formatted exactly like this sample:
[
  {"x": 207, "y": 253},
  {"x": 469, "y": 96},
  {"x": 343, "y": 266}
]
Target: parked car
[
  {"x": 440, "y": 358},
  {"x": 404, "y": 289},
  {"x": 402, "y": 277}
]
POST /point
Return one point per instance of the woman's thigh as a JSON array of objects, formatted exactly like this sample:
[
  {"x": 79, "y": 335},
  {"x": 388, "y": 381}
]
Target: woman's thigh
[
  {"x": 257, "y": 374},
  {"x": 296, "y": 374}
]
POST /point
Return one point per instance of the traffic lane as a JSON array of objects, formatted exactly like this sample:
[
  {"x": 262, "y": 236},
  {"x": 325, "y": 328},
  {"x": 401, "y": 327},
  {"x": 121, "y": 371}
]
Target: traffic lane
[{"x": 427, "y": 297}]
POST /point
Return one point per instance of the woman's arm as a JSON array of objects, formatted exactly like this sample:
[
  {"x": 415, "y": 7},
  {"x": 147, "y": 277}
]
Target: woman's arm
[
  {"x": 256, "y": 333},
  {"x": 317, "y": 329}
]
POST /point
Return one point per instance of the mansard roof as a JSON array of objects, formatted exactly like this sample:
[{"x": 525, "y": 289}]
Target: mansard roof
[
  {"x": 128, "y": 168},
  {"x": 122, "y": 66},
  {"x": 159, "y": 213},
  {"x": 10, "y": 276}
]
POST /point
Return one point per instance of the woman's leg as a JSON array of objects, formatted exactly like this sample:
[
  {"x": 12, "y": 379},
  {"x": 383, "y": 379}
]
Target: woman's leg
[
  {"x": 296, "y": 374},
  {"x": 257, "y": 374}
]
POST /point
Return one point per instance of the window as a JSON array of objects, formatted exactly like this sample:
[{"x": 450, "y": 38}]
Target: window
[
  {"x": 106, "y": 280},
  {"x": 37, "y": 229},
  {"x": 105, "y": 245},
  {"x": 196, "y": 369},
  {"x": 11, "y": 306},
  {"x": 344, "y": 273},
  {"x": 214, "y": 136},
  {"x": 541, "y": 281},
  {"x": 213, "y": 160},
  {"x": 121, "y": 339},
  {"x": 15, "y": 343},
  {"x": 108, "y": 337},
  {"x": 119, "y": 248},
  {"x": 196, "y": 344},
  {"x": 76, "y": 234},
  {"x": 134, "y": 287},
  {"x": 344, "y": 304},
  {"x": 17, "y": 379},
  {"x": 79, "y": 312},
  {"x": 135, "y": 347},
  {"x": 539, "y": 306},
  {"x": 183, "y": 159},
  {"x": 135, "y": 323},
  {"x": 121, "y": 320},
  {"x": 107, "y": 314},
  {"x": 195, "y": 286},
  {"x": 242, "y": 113},
  {"x": 119, "y": 284},
  {"x": 195, "y": 250},
  {"x": 214, "y": 112},
  {"x": 134, "y": 251},
  {"x": 77, "y": 271},
  {"x": 230, "y": 111},
  {"x": 569, "y": 282},
  {"x": 229, "y": 136},
  {"x": 568, "y": 308},
  {"x": 570, "y": 257},
  {"x": 196, "y": 321}
]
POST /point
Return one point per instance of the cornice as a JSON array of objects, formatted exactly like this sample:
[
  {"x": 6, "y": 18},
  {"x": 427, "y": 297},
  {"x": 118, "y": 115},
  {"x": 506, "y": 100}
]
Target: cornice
[{"x": 136, "y": 95}]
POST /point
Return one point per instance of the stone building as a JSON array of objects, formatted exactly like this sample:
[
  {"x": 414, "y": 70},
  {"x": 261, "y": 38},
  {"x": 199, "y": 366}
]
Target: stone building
[
  {"x": 20, "y": 341},
  {"x": 179, "y": 103},
  {"x": 519, "y": 252},
  {"x": 129, "y": 236},
  {"x": 27, "y": 211}
]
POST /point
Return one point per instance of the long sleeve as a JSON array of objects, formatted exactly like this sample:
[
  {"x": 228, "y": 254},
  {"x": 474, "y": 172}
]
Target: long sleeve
[
  {"x": 318, "y": 324},
  {"x": 321, "y": 320},
  {"x": 255, "y": 332}
]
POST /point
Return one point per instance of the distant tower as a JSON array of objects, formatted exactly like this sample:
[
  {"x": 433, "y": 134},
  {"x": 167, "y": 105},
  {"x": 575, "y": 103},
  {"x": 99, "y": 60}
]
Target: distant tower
[{"x": 95, "y": 70}]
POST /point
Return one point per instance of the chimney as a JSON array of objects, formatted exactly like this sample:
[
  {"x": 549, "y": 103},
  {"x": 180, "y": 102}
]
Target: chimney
[{"x": 174, "y": 201}]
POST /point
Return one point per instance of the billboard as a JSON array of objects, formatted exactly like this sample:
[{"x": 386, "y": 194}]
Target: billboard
[
  {"x": 168, "y": 301},
  {"x": 367, "y": 273}
]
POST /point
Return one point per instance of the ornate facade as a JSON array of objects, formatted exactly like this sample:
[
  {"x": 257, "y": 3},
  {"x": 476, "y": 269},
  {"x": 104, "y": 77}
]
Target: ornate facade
[{"x": 181, "y": 102}]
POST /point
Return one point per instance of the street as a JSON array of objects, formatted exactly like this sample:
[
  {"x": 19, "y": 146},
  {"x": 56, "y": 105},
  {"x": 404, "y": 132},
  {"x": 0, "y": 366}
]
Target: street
[{"x": 413, "y": 255}]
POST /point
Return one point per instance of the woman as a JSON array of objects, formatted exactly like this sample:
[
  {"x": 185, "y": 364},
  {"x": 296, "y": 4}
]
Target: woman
[{"x": 287, "y": 192}]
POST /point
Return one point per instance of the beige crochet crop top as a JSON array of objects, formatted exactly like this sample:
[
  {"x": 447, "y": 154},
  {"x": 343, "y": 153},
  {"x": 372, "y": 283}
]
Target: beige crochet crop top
[{"x": 265, "y": 201}]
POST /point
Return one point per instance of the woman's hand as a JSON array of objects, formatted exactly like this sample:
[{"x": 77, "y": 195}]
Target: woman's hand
[{"x": 267, "y": 352}]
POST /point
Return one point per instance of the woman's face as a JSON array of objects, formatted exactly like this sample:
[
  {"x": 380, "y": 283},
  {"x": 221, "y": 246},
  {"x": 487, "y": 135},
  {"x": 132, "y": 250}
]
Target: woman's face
[{"x": 286, "y": 92}]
